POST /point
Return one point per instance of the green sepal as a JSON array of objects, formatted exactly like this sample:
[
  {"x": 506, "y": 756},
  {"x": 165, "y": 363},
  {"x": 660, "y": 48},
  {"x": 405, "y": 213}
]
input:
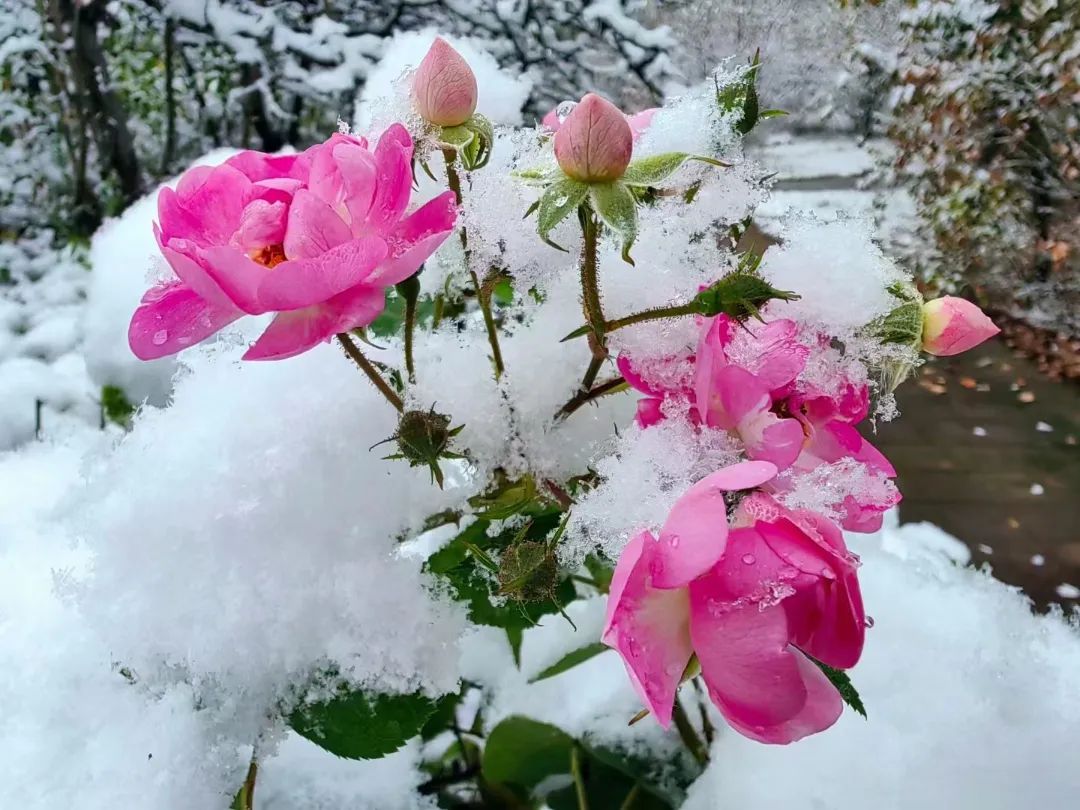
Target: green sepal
[
  {"x": 654, "y": 170},
  {"x": 581, "y": 331},
  {"x": 558, "y": 201},
  {"x": 615, "y": 205},
  {"x": 427, "y": 170},
  {"x": 478, "y": 152},
  {"x": 456, "y": 137},
  {"x": 904, "y": 325}
]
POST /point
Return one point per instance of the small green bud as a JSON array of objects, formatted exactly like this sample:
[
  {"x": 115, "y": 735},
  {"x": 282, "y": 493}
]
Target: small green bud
[
  {"x": 739, "y": 295},
  {"x": 423, "y": 437}
]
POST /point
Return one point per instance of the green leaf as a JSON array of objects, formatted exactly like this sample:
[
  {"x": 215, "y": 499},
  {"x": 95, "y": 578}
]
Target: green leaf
[
  {"x": 558, "y": 201},
  {"x": 115, "y": 405},
  {"x": 456, "y": 137},
  {"x": 741, "y": 95},
  {"x": 766, "y": 114},
  {"x": 358, "y": 725},
  {"x": 843, "y": 684},
  {"x": 571, "y": 660},
  {"x": 601, "y": 571},
  {"x": 510, "y": 499},
  {"x": 442, "y": 717},
  {"x": 749, "y": 117},
  {"x": 523, "y": 752},
  {"x": 392, "y": 319},
  {"x": 515, "y": 635},
  {"x": 651, "y": 171},
  {"x": 615, "y": 205}
]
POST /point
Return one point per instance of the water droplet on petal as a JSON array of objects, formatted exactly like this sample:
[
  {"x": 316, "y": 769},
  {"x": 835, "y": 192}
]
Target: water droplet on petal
[
  {"x": 869, "y": 621},
  {"x": 564, "y": 109},
  {"x": 749, "y": 559},
  {"x": 673, "y": 540},
  {"x": 160, "y": 336}
]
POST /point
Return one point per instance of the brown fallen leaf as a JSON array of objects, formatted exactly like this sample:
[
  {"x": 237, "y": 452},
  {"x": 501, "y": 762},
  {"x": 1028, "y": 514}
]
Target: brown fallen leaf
[
  {"x": 1013, "y": 523},
  {"x": 933, "y": 387},
  {"x": 968, "y": 382},
  {"x": 1026, "y": 396}
]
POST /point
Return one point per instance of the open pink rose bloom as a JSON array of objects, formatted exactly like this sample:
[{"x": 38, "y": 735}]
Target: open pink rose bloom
[
  {"x": 751, "y": 596},
  {"x": 315, "y": 237},
  {"x": 742, "y": 577},
  {"x": 747, "y": 381}
]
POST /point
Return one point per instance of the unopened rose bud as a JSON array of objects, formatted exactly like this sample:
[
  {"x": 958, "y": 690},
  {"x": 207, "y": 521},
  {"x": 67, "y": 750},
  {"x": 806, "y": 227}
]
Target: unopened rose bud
[
  {"x": 595, "y": 142},
  {"x": 952, "y": 325},
  {"x": 444, "y": 87}
]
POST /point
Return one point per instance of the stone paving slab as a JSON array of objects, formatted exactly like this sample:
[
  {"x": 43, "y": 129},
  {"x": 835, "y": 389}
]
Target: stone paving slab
[{"x": 971, "y": 457}]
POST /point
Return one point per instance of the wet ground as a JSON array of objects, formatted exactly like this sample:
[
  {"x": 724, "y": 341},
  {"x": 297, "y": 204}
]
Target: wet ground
[
  {"x": 986, "y": 446},
  {"x": 989, "y": 449}
]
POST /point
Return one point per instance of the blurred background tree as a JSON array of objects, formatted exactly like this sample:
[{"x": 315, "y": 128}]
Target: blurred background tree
[{"x": 100, "y": 100}]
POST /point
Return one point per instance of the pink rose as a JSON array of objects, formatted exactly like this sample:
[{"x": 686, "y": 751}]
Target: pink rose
[
  {"x": 639, "y": 122},
  {"x": 315, "y": 237},
  {"x": 738, "y": 369},
  {"x": 751, "y": 601},
  {"x": 444, "y": 87},
  {"x": 594, "y": 143},
  {"x": 952, "y": 325}
]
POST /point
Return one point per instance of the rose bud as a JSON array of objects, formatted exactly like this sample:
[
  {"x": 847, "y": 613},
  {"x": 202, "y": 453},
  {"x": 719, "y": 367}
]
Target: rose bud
[
  {"x": 595, "y": 142},
  {"x": 952, "y": 325},
  {"x": 444, "y": 87}
]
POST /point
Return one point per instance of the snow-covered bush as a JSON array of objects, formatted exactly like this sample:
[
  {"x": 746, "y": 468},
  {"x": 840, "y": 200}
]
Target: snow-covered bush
[
  {"x": 986, "y": 123},
  {"x": 357, "y": 549}
]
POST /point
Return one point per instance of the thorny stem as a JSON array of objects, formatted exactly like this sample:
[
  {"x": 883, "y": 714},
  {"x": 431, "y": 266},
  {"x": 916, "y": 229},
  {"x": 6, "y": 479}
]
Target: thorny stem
[
  {"x": 584, "y": 396},
  {"x": 561, "y": 495},
  {"x": 410, "y": 325},
  {"x": 651, "y": 315},
  {"x": 591, "y": 372},
  {"x": 455, "y": 777},
  {"x": 579, "y": 782},
  {"x": 485, "y": 300},
  {"x": 706, "y": 724},
  {"x": 590, "y": 285},
  {"x": 245, "y": 800},
  {"x": 372, "y": 373},
  {"x": 689, "y": 735}
]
